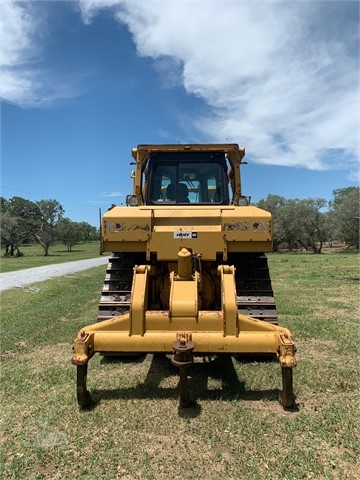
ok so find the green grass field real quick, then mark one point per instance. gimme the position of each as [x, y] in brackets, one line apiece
[34, 256]
[236, 429]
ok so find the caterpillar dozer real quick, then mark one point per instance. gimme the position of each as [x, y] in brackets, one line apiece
[188, 275]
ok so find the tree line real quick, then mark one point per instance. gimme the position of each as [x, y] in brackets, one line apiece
[43, 222]
[305, 224]
[308, 224]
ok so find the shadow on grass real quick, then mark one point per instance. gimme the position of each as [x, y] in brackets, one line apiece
[128, 358]
[199, 374]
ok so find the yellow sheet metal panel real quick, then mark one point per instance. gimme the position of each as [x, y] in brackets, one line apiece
[168, 244]
[187, 215]
[123, 246]
[126, 224]
[249, 246]
[196, 228]
[247, 224]
[205, 230]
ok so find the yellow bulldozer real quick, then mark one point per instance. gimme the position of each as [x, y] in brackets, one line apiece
[188, 275]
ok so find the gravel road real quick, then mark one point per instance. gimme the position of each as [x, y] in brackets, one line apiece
[23, 278]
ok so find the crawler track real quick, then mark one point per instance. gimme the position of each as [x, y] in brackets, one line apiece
[116, 293]
[254, 292]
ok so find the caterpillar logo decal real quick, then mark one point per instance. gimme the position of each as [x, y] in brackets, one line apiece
[185, 234]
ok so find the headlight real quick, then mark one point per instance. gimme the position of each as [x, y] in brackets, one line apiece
[244, 201]
[132, 200]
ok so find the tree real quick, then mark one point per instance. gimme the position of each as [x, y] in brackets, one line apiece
[290, 219]
[345, 214]
[18, 215]
[298, 223]
[313, 222]
[11, 235]
[88, 232]
[45, 232]
[32, 220]
[68, 232]
[274, 204]
[3, 204]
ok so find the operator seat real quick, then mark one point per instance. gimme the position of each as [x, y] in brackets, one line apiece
[170, 192]
[183, 193]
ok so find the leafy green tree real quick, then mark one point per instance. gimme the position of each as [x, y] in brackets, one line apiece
[344, 210]
[26, 211]
[45, 232]
[17, 215]
[290, 223]
[3, 204]
[274, 204]
[11, 235]
[297, 223]
[68, 232]
[89, 233]
[314, 228]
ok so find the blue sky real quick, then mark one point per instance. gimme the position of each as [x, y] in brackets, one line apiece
[84, 82]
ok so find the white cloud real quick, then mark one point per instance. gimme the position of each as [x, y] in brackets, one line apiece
[18, 26]
[23, 80]
[280, 77]
[114, 194]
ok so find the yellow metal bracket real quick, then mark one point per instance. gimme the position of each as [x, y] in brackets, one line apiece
[83, 348]
[228, 300]
[139, 294]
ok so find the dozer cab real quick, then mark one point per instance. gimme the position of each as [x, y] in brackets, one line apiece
[188, 275]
